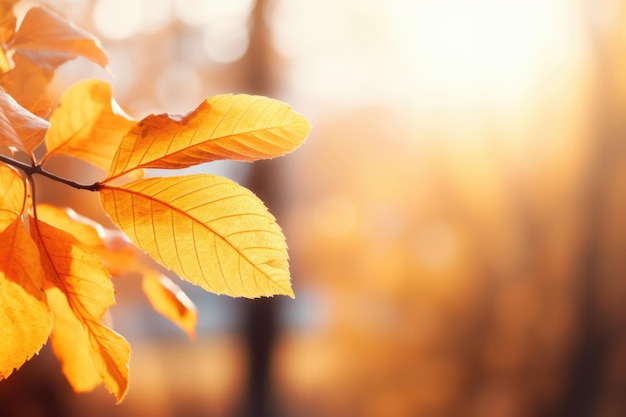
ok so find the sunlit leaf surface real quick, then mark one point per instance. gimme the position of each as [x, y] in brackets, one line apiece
[88, 124]
[12, 194]
[71, 345]
[25, 318]
[207, 229]
[237, 127]
[169, 299]
[48, 39]
[83, 279]
[19, 128]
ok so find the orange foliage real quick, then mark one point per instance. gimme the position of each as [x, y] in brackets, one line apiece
[209, 230]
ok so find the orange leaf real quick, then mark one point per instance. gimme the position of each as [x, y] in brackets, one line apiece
[7, 19]
[7, 29]
[12, 195]
[19, 128]
[88, 124]
[207, 229]
[49, 40]
[70, 343]
[27, 83]
[80, 275]
[86, 231]
[169, 299]
[25, 318]
[238, 127]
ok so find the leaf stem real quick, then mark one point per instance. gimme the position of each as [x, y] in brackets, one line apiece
[31, 170]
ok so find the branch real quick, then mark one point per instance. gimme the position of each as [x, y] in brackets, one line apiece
[37, 169]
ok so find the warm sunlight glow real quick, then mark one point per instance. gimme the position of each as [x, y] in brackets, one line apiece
[115, 25]
[433, 54]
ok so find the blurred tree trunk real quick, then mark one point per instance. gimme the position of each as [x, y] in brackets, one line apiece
[261, 328]
[602, 259]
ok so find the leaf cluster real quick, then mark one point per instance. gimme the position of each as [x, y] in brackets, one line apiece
[56, 266]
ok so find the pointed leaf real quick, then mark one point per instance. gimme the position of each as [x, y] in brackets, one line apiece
[169, 299]
[237, 127]
[12, 195]
[19, 128]
[25, 318]
[49, 40]
[70, 343]
[81, 277]
[207, 229]
[87, 125]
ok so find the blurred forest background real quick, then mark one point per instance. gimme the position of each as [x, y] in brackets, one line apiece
[456, 220]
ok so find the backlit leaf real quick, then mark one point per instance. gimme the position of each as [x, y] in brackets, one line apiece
[7, 29]
[66, 219]
[12, 195]
[237, 127]
[49, 40]
[70, 343]
[207, 229]
[19, 128]
[25, 318]
[169, 299]
[88, 124]
[27, 83]
[82, 278]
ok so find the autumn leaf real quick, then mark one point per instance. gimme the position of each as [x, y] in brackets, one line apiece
[85, 231]
[119, 256]
[81, 277]
[237, 127]
[19, 128]
[8, 22]
[71, 345]
[12, 195]
[25, 318]
[27, 83]
[88, 124]
[207, 229]
[49, 40]
[168, 299]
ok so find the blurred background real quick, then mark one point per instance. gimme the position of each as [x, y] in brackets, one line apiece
[456, 220]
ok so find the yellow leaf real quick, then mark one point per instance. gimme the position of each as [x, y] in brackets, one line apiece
[207, 229]
[49, 40]
[25, 318]
[168, 299]
[82, 278]
[88, 124]
[12, 195]
[70, 343]
[238, 127]
[19, 128]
